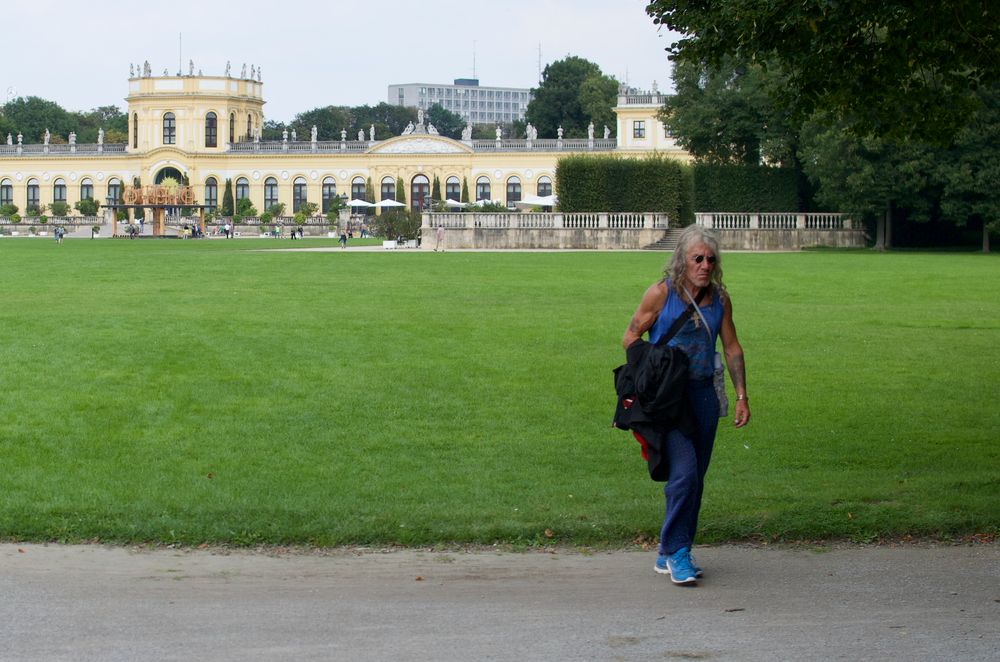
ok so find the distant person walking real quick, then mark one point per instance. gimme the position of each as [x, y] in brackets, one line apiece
[343, 239]
[439, 238]
[694, 273]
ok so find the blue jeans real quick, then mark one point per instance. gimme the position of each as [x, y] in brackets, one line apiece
[688, 465]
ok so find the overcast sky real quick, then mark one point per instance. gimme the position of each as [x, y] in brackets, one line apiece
[316, 54]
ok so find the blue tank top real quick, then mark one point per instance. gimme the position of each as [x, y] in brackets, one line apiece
[691, 339]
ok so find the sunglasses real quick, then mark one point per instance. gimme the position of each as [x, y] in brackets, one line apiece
[701, 258]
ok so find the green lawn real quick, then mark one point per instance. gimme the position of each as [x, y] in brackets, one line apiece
[206, 392]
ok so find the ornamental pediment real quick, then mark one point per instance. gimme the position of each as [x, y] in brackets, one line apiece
[420, 144]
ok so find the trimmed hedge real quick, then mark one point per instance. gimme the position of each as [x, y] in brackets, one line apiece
[745, 188]
[616, 184]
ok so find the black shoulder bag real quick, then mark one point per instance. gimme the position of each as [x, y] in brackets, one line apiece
[654, 377]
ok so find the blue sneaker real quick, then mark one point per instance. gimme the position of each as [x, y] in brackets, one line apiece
[664, 569]
[698, 572]
[678, 566]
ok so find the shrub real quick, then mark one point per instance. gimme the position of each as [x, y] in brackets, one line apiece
[244, 208]
[617, 184]
[8, 210]
[59, 208]
[265, 218]
[87, 207]
[746, 188]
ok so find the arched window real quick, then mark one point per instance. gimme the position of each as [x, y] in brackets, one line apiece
[211, 130]
[388, 189]
[242, 188]
[115, 190]
[270, 193]
[544, 186]
[232, 128]
[452, 189]
[329, 193]
[212, 192]
[357, 193]
[169, 129]
[6, 192]
[32, 197]
[135, 130]
[298, 194]
[86, 189]
[420, 193]
[59, 191]
[483, 189]
[513, 191]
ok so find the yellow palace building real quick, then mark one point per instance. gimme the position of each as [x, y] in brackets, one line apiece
[207, 129]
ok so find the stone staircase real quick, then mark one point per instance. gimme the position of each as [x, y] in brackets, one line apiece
[668, 242]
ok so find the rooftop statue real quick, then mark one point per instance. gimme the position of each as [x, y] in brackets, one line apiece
[312, 136]
[409, 129]
[131, 70]
[190, 67]
[72, 137]
[9, 140]
[47, 136]
[343, 135]
[607, 132]
[590, 131]
[467, 132]
[371, 133]
[243, 71]
[228, 69]
[499, 133]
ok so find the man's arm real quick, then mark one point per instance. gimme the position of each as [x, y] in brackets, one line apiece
[734, 360]
[646, 314]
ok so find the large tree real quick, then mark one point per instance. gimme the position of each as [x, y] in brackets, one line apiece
[445, 121]
[869, 177]
[969, 171]
[329, 121]
[886, 68]
[31, 116]
[573, 93]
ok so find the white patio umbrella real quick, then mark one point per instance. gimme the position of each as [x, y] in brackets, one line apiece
[455, 203]
[359, 203]
[389, 203]
[537, 201]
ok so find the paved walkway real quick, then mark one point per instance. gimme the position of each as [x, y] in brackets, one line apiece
[851, 603]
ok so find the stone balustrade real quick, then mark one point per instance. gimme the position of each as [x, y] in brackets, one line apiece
[542, 220]
[773, 221]
[91, 149]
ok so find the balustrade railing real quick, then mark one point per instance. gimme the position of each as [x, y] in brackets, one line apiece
[62, 150]
[773, 221]
[546, 221]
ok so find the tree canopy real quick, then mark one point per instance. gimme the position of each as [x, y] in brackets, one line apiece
[445, 121]
[573, 93]
[884, 68]
[31, 116]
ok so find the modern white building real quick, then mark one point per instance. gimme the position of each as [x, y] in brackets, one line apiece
[476, 104]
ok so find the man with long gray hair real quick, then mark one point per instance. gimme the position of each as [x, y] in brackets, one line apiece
[692, 286]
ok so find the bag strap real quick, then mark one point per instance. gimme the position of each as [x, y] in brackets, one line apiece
[703, 320]
[682, 320]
